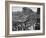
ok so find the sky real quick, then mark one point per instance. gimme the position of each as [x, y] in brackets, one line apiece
[14, 9]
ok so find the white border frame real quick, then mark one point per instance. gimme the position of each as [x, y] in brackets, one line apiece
[24, 32]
